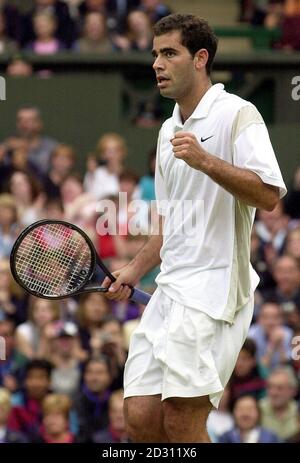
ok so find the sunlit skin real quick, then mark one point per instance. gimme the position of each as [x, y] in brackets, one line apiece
[180, 75]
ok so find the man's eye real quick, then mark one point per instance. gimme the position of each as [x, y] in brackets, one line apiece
[169, 54]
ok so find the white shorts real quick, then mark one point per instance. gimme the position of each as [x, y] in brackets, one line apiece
[177, 351]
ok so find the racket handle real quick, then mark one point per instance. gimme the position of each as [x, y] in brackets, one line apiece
[139, 296]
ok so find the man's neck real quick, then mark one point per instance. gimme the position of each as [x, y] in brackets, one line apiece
[189, 102]
[281, 411]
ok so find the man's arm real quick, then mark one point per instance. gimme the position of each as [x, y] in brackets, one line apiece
[146, 259]
[244, 184]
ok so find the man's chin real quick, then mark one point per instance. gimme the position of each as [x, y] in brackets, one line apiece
[166, 93]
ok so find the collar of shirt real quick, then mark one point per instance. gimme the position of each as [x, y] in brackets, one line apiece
[202, 109]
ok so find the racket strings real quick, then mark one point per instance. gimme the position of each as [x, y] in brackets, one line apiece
[53, 260]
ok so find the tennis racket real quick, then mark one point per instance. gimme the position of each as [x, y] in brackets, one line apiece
[53, 259]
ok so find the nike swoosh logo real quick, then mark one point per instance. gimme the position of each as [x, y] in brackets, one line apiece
[204, 139]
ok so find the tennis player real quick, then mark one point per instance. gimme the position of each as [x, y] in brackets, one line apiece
[214, 154]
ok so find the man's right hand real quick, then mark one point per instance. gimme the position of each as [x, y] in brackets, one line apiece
[120, 289]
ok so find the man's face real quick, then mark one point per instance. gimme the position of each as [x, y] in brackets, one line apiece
[97, 377]
[287, 274]
[244, 364]
[173, 65]
[37, 383]
[246, 414]
[279, 390]
[28, 122]
[270, 317]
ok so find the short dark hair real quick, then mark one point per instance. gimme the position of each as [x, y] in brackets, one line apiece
[39, 364]
[249, 346]
[195, 34]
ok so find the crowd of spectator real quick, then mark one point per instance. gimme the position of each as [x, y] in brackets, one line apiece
[108, 26]
[281, 14]
[88, 26]
[61, 380]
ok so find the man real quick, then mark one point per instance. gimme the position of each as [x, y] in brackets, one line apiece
[279, 410]
[214, 157]
[29, 127]
[272, 338]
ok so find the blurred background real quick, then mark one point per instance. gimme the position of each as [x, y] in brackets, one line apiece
[79, 125]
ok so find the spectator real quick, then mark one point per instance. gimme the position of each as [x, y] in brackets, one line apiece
[28, 196]
[62, 162]
[93, 308]
[279, 410]
[292, 200]
[247, 427]
[95, 38]
[97, 6]
[19, 67]
[26, 415]
[138, 35]
[271, 228]
[115, 433]
[7, 436]
[12, 20]
[65, 31]
[131, 219]
[286, 274]
[118, 11]
[248, 376]
[56, 417]
[54, 209]
[6, 44]
[29, 128]
[155, 9]
[9, 227]
[12, 368]
[79, 206]
[13, 299]
[272, 338]
[146, 184]
[65, 356]
[291, 25]
[45, 43]
[293, 243]
[31, 338]
[112, 346]
[103, 180]
[92, 402]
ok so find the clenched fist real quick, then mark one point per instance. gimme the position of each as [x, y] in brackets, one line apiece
[187, 147]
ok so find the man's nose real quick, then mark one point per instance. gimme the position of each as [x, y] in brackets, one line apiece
[158, 63]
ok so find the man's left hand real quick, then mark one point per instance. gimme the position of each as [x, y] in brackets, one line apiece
[187, 148]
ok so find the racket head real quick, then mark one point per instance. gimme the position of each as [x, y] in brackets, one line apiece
[53, 259]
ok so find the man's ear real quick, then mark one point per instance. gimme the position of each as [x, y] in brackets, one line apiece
[201, 58]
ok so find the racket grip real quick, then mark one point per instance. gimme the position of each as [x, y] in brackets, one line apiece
[139, 296]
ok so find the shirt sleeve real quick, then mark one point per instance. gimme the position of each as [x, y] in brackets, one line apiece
[252, 150]
[160, 187]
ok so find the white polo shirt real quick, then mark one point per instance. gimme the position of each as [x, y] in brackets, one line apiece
[206, 246]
